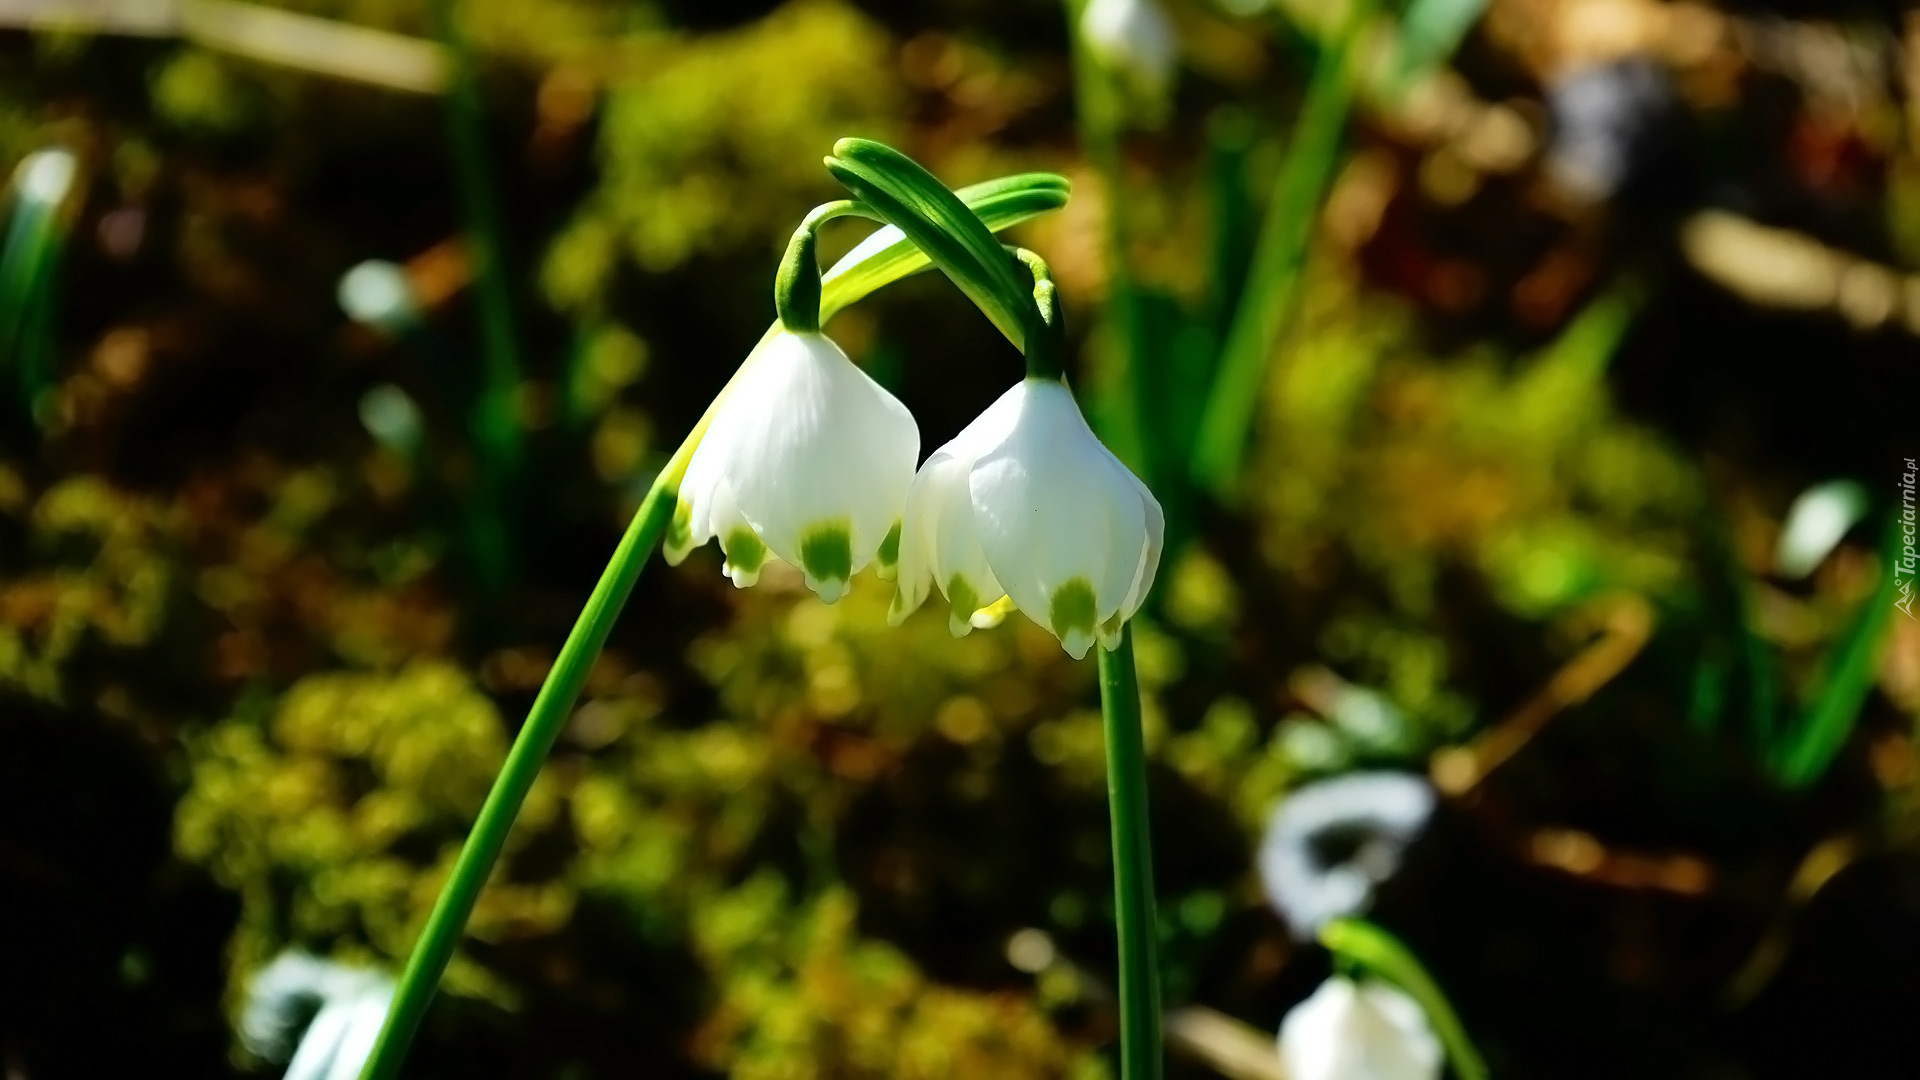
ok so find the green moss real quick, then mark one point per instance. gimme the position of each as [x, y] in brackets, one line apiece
[715, 142]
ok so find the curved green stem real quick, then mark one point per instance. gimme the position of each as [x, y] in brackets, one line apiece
[1358, 942]
[1046, 340]
[950, 232]
[1140, 1054]
[796, 288]
[883, 259]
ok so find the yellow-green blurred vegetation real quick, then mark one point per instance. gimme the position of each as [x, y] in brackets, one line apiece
[1513, 448]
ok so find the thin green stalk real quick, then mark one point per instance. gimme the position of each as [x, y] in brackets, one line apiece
[496, 430]
[1128, 401]
[550, 710]
[1272, 293]
[1140, 1054]
[1046, 344]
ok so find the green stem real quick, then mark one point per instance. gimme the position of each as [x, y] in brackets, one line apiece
[1358, 942]
[550, 711]
[796, 287]
[1140, 1055]
[1127, 404]
[1271, 297]
[496, 429]
[1046, 341]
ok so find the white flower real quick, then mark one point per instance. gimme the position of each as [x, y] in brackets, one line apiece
[1025, 503]
[807, 460]
[1358, 1031]
[45, 176]
[347, 1005]
[1331, 844]
[1132, 36]
[1815, 525]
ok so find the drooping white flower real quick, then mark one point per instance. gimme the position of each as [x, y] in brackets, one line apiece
[807, 460]
[1368, 1030]
[347, 1006]
[1026, 503]
[1132, 36]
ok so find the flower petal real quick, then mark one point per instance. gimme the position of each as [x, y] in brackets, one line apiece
[939, 538]
[1060, 519]
[821, 463]
[1367, 1029]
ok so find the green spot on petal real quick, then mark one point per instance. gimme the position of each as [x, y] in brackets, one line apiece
[679, 538]
[826, 555]
[1071, 611]
[889, 554]
[745, 555]
[965, 600]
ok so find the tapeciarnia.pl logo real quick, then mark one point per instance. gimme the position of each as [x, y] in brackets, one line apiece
[1903, 567]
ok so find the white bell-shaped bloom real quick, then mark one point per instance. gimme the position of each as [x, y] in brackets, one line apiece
[1368, 1030]
[347, 1006]
[807, 460]
[1132, 36]
[1025, 503]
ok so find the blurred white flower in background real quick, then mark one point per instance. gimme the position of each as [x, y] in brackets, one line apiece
[45, 176]
[377, 293]
[1134, 38]
[1815, 524]
[340, 1007]
[1366, 1030]
[1330, 844]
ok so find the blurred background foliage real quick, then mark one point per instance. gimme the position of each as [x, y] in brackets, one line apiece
[1575, 311]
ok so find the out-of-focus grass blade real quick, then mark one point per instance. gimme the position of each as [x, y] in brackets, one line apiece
[1808, 747]
[941, 224]
[1231, 134]
[1729, 619]
[498, 441]
[887, 255]
[29, 259]
[37, 329]
[1429, 32]
[1273, 287]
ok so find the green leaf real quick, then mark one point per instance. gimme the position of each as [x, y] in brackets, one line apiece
[27, 265]
[1361, 943]
[936, 220]
[1822, 727]
[1272, 293]
[1430, 31]
[887, 255]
